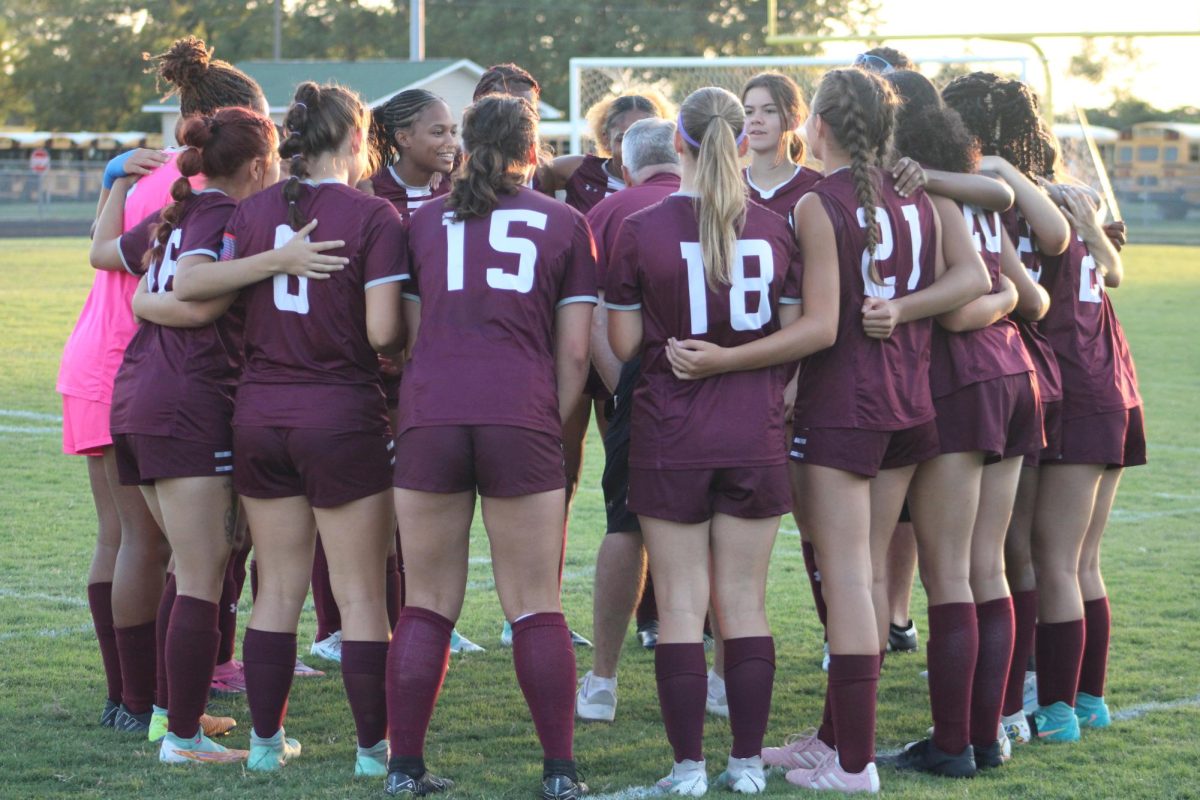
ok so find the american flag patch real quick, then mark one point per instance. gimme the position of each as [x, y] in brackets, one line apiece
[228, 247]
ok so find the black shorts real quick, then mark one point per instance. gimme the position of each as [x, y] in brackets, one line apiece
[615, 480]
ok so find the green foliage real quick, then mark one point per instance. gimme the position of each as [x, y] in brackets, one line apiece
[1127, 111]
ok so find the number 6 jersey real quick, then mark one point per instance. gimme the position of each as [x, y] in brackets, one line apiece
[729, 420]
[489, 288]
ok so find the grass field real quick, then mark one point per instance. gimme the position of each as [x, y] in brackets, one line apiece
[51, 686]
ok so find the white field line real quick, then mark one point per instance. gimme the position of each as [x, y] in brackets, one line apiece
[1142, 709]
[34, 415]
[63, 600]
[29, 431]
[46, 633]
[631, 793]
[1121, 515]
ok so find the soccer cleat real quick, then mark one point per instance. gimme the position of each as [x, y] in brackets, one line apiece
[506, 634]
[216, 726]
[562, 787]
[128, 722]
[902, 639]
[1005, 744]
[1029, 696]
[229, 678]
[989, 757]
[799, 751]
[1016, 726]
[198, 750]
[401, 784]
[158, 724]
[329, 648]
[303, 670]
[578, 640]
[648, 634]
[924, 756]
[268, 755]
[461, 644]
[109, 715]
[1091, 711]
[372, 762]
[825, 658]
[829, 776]
[716, 702]
[687, 778]
[596, 699]
[1056, 723]
[744, 776]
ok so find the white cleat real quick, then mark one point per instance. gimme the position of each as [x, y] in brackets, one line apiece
[329, 648]
[596, 699]
[744, 776]
[716, 703]
[687, 778]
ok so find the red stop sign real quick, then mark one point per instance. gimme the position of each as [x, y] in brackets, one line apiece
[39, 160]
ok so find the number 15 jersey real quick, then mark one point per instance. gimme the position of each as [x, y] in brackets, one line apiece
[489, 289]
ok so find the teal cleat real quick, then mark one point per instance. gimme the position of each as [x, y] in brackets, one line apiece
[268, 755]
[1091, 711]
[1056, 723]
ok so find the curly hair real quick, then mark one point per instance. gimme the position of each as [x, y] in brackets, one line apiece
[927, 130]
[789, 100]
[203, 84]
[1003, 114]
[500, 137]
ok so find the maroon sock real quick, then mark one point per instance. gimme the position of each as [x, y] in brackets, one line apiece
[227, 608]
[191, 653]
[647, 609]
[1025, 618]
[162, 623]
[951, 650]
[136, 648]
[749, 679]
[995, 625]
[1059, 657]
[814, 580]
[826, 733]
[544, 659]
[100, 603]
[329, 617]
[270, 661]
[253, 580]
[416, 666]
[391, 577]
[682, 675]
[364, 672]
[1098, 624]
[853, 681]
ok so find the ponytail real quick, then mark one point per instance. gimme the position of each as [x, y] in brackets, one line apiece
[711, 122]
[499, 134]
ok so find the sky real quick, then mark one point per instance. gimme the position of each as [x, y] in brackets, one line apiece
[1162, 74]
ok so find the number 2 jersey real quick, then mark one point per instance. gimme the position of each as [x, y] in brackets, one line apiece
[179, 382]
[729, 420]
[308, 361]
[860, 382]
[489, 289]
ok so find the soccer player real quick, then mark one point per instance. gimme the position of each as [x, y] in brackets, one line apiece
[311, 439]
[173, 399]
[775, 111]
[707, 459]
[499, 309]
[651, 167]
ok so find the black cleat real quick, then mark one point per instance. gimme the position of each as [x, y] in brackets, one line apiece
[648, 634]
[579, 640]
[562, 787]
[924, 756]
[128, 722]
[108, 717]
[902, 640]
[988, 757]
[401, 784]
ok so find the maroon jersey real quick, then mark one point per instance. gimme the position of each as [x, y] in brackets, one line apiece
[1097, 370]
[309, 363]
[407, 199]
[605, 217]
[590, 183]
[179, 382]
[783, 198]
[1045, 363]
[489, 288]
[134, 243]
[729, 420]
[860, 382]
[960, 359]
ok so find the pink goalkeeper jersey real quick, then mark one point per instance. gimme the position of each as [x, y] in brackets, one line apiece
[96, 346]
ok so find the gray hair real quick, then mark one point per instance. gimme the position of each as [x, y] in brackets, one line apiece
[647, 143]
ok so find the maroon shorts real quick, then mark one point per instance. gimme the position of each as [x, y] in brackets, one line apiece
[495, 460]
[594, 387]
[691, 496]
[864, 452]
[391, 389]
[1052, 426]
[1001, 417]
[142, 459]
[1115, 439]
[329, 468]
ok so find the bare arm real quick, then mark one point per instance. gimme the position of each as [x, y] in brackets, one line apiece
[975, 190]
[412, 323]
[982, 311]
[164, 308]
[1084, 216]
[385, 318]
[105, 252]
[1048, 225]
[625, 332]
[1032, 299]
[607, 365]
[572, 334]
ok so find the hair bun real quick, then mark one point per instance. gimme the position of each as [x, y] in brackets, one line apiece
[185, 62]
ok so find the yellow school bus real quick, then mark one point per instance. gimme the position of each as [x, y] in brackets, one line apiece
[1160, 162]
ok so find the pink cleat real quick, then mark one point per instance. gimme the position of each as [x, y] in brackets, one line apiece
[305, 671]
[229, 678]
[800, 751]
[829, 776]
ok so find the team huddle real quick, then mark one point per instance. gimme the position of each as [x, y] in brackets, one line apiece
[915, 339]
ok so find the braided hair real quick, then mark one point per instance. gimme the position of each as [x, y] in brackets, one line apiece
[500, 137]
[601, 116]
[927, 130]
[397, 114]
[1003, 114]
[319, 120]
[859, 107]
[217, 147]
[203, 84]
[789, 101]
